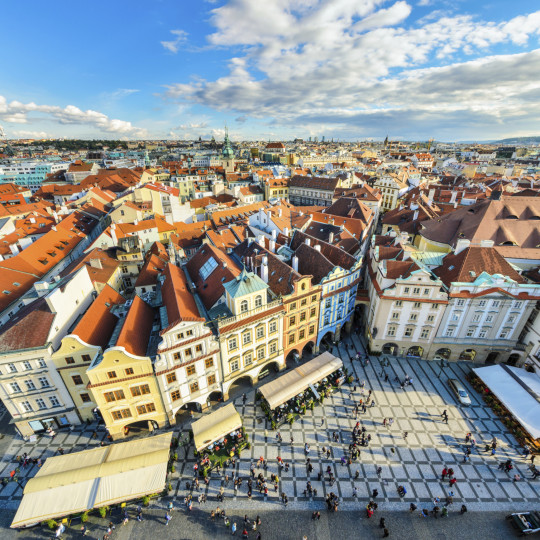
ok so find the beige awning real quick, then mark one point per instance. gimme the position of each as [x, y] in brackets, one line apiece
[289, 385]
[77, 482]
[212, 427]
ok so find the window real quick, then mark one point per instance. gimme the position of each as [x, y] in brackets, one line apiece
[399, 303]
[41, 403]
[175, 396]
[140, 390]
[123, 413]
[114, 395]
[470, 331]
[248, 359]
[177, 356]
[41, 363]
[314, 298]
[326, 319]
[85, 398]
[86, 358]
[145, 409]
[302, 316]
[311, 330]
[328, 303]
[244, 306]
[511, 319]
[312, 312]
[180, 336]
[434, 306]
[171, 377]
[476, 317]
[208, 267]
[44, 382]
[503, 334]
[273, 347]
[416, 290]
[292, 320]
[496, 303]
[273, 327]
[233, 344]
[190, 370]
[482, 303]
[211, 380]
[291, 339]
[26, 407]
[15, 387]
[188, 352]
[13, 369]
[208, 363]
[426, 292]
[483, 333]
[293, 306]
[234, 365]
[258, 301]
[455, 315]
[189, 333]
[417, 305]
[194, 387]
[395, 316]
[430, 318]
[77, 379]
[408, 332]
[413, 317]
[406, 290]
[54, 401]
[304, 301]
[301, 334]
[425, 333]
[70, 360]
[111, 374]
[198, 349]
[341, 298]
[517, 305]
[124, 269]
[489, 318]
[260, 332]
[391, 330]
[30, 384]
[449, 332]
[246, 337]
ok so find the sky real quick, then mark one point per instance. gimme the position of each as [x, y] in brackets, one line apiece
[275, 70]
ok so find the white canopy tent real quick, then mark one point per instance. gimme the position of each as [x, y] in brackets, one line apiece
[214, 426]
[289, 385]
[518, 390]
[106, 475]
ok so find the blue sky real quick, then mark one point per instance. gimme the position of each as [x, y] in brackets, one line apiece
[348, 69]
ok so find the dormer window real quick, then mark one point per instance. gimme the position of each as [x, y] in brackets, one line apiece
[244, 306]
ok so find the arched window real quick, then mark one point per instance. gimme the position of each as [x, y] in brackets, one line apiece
[258, 301]
[243, 306]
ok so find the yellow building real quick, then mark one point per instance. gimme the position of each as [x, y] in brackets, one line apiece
[79, 348]
[122, 379]
[276, 188]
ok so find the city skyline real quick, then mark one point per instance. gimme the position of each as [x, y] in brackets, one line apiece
[344, 69]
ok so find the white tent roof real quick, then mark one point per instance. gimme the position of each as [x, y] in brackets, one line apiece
[289, 385]
[518, 390]
[212, 427]
[99, 477]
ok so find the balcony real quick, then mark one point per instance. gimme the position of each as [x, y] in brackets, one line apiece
[247, 314]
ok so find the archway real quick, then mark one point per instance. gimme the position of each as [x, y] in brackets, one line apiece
[268, 369]
[240, 386]
[416, 350]
[513, 359]
[139, 428]
[467, 354]
[214, 398]
[492, 358]
[293, 357]
[390, 349]
[328, 340]
[308, 349]
[442, 354]
[186, 412]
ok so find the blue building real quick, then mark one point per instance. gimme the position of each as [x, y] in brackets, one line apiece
[338, 273]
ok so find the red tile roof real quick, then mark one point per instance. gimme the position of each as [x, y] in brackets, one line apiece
[137, 328]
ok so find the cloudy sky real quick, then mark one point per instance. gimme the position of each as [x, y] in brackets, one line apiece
[348, 69]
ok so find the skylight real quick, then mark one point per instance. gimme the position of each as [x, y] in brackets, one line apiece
[207, 268]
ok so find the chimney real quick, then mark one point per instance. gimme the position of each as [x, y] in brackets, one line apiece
[415, 215]
[431, 194]
[308, 241]
[260, 240]
[331, 238]
[135, 222]
[487, 243]
[453, 197]
[14, 249]
[272, 245]
[461, 244]
[41, 287]
[96, 263]
[279, 212]
[274, 235]
[295, 263]
[318, 247]
[286, 231]
[264, 269]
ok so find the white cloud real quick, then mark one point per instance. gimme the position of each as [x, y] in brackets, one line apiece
[174, 45]
[301, 59]
[22, 134]
[27, 113]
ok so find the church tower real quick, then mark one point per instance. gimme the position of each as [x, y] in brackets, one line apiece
[227, 154]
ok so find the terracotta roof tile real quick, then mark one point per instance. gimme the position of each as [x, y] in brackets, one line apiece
[135, 333]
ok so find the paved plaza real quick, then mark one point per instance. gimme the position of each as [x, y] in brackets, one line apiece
[415, 462]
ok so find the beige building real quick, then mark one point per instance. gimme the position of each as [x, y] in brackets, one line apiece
[391, 188]
[83, 344]
[122, 379]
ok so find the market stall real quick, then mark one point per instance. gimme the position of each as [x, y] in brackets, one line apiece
[293, 392]
[213, 429]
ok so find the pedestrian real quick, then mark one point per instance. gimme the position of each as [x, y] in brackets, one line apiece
[382, 523]
[233, 529]
[386, 533]
[444, 473]
[244, 399]
[384, 422]
[374, 494]
[463, 509]
[84, 530]
[167, 518]
[405, 435]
